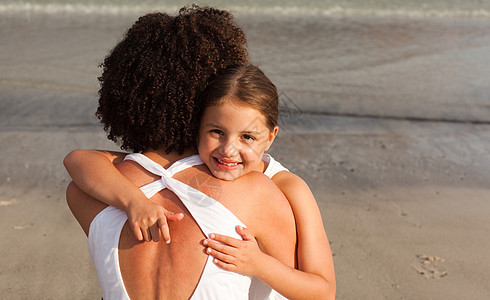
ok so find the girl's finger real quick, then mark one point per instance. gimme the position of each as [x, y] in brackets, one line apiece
[225, 249]
[246, 235]
[155, 232]
[221, 256]
[146, 234]
[162, 223]
[225, 266]
[171, 216]
[225, 239]
[137, 232]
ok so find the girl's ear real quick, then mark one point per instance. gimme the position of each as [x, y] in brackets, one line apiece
[272, 136]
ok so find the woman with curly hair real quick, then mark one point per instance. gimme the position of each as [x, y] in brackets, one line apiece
[149, 86]
[152, 77]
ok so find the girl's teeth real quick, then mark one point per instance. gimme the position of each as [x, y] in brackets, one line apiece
[227, 164]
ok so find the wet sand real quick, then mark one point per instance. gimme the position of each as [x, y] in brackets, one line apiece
[405, 203]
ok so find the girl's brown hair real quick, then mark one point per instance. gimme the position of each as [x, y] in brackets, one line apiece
[247, 85]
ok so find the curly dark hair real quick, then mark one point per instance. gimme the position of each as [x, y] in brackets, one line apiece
[151, 79]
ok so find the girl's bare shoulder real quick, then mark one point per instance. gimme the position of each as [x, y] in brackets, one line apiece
[286, 179]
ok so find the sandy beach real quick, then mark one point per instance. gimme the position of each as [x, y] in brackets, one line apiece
[403, 185]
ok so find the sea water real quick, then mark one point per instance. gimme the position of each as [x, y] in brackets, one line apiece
[413, 59]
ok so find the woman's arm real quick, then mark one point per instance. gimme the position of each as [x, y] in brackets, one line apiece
[314, 277]
[94, 172]
[82, 206]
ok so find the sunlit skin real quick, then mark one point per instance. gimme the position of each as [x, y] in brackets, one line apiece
[233, 138]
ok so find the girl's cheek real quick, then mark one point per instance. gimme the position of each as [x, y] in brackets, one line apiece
[257, 148]
[206, 144]
[249, 151]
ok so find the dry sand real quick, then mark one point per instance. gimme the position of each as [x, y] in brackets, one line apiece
[406, 204]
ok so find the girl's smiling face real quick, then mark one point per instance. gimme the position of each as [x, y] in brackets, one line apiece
[232, 139]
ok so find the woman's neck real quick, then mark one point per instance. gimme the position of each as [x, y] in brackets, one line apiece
[165, 159]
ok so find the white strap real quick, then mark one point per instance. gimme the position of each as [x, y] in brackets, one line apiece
[274, 166]
[210, 214]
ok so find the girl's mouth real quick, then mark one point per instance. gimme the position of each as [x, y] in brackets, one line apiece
[226, 165]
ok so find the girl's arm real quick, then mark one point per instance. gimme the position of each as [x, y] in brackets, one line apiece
[314, 277]
[94, 172]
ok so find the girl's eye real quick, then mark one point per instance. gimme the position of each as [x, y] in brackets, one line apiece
[248, 137]
[216, 131]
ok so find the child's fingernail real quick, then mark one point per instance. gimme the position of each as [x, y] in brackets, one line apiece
[205, 242]
[212, 235]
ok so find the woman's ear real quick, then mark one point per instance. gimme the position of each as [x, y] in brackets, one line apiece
[272, 136]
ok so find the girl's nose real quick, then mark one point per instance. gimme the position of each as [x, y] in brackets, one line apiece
[228, 148]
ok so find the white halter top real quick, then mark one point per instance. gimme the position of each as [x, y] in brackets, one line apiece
[210, 215]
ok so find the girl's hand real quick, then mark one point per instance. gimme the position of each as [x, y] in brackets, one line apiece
[240, 256]
[149, 220]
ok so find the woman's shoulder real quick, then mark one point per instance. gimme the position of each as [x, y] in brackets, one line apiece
[264, 192]
[259, 181]
[135, 172]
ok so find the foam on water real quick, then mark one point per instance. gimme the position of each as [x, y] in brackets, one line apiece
[380, 8]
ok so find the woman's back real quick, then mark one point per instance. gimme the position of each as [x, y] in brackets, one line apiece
[156, 270]
[172, 271]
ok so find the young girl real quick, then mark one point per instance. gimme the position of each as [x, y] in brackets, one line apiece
[238, 124]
